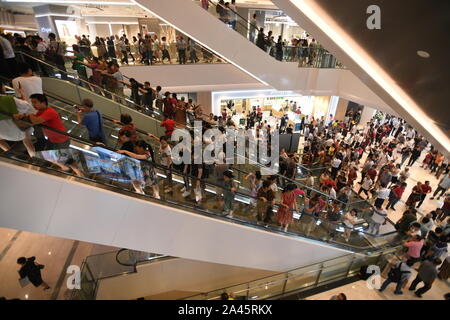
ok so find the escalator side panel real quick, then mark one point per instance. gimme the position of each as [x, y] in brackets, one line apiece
[65, 208]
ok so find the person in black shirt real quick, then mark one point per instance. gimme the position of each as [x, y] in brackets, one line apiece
[148, 96]
[414, 155]
[125, 141]
[260, 40]
[32, 270]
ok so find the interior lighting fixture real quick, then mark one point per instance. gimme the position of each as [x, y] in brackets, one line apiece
[423, 54]
[325, 23]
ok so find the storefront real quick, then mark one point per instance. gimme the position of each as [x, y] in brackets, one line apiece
[274, 104]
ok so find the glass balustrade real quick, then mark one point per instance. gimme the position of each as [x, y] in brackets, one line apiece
[306, 55]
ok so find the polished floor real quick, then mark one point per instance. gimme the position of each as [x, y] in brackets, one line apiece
[360, 291]
[55, 253]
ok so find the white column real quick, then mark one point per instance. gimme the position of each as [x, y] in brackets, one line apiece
[366, 115]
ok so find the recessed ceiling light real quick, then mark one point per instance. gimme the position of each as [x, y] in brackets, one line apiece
[423, 54]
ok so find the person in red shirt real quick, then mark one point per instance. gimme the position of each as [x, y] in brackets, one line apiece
[372, 173]
[330, 182]
[169, 107]
[396, 195]
[49, 117]
[169, 124]
[424, 190]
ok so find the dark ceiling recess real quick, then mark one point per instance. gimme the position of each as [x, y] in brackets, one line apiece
[407, 26]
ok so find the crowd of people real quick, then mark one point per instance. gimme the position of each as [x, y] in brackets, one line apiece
[337, 146]
[303, 49]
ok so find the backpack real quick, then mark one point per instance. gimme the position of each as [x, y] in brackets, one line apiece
[395, 274]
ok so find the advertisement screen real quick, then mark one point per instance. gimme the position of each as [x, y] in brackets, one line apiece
[67, 30]
[114, 166]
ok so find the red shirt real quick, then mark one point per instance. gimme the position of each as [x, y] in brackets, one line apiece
[398, 191]
[132, 129]
[330, 182]
[372, 173]
[169, 124]
[424, 188]
[52, 120]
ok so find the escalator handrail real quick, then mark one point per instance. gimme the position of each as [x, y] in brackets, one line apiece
[87, 142]
[152, 259]
[246, 195]
[255, 164]
[74, 74]
[224, 289]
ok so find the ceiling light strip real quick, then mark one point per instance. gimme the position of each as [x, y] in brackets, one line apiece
[212, 50]
[379, 76]
[57, 15]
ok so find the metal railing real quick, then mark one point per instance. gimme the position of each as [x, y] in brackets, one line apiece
[301, 279]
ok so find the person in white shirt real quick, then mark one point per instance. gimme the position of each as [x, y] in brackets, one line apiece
[335, 163]
[41, 46]
[8, 129]
[8, 51]
[28, 82]
[382, 194]
[166, 161]
[378, 218]
[365, 187]
[404, 175]
[332, 192]
[329, 142]
[350, 220]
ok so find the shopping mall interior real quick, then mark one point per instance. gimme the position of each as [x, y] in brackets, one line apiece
[104, 105]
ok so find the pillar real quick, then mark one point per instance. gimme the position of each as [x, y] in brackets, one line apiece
[367, 114]
[341, 110]
[205, 99]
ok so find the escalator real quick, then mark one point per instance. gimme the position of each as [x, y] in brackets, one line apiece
[65, 93]
[150, 276]
[112, 213]
[218, 37]
[317, 72]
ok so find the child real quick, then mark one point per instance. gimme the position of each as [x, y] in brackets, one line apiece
[228, 192]
[166, 161]
[349, 221]
[150, 177]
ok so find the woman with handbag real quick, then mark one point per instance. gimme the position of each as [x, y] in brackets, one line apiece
[32, 270]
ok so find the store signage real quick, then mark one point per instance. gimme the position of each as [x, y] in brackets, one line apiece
[46, 30]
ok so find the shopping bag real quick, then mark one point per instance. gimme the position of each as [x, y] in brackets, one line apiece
[198, 194]
[24, 282]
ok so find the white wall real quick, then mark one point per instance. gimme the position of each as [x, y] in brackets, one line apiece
[41, 203]
[193, 78]
[172, 275]
[226, 77]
